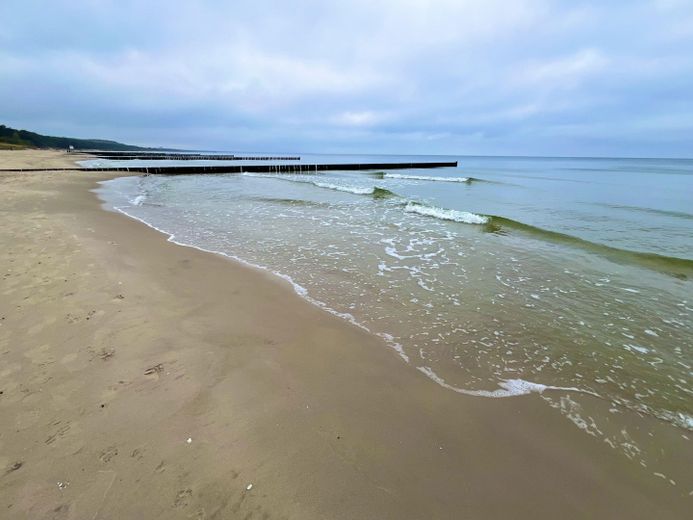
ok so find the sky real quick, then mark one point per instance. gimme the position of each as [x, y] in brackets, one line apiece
[462, 77]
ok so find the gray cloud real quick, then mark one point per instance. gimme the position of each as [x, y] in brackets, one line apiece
[447, 76]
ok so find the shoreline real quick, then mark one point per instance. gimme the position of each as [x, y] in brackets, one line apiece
[506, 388]
[272, 391]
[298, 289]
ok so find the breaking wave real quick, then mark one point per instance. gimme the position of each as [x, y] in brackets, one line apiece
[356, 190]
[681, 268]
[445, 214]
[466, 180]
[376, 191]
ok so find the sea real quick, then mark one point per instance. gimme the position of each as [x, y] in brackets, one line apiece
[568, 278]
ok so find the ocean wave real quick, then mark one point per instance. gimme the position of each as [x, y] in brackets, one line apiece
[650, 211]
[285, 176]
[376, 191]
[445, 214]
[291, 202]
[427, 178]
[356, 190]
[681, 268]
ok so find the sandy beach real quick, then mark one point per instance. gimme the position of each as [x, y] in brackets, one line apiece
[141, 379]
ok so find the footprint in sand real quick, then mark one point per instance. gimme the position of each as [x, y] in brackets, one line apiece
[108, 454]
[94, 314]
[107, 353]
[183, 498]
[137, 453]
[58, 434]
[104, 354]
[155, 371]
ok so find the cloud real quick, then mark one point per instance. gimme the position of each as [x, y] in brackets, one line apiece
[362, 118]
[564, 72]
[436, 76]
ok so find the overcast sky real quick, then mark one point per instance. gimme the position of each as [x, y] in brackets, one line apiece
[498, 77]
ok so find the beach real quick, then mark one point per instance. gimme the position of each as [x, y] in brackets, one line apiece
[143, 379]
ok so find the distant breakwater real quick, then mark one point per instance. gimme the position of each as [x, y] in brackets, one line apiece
[172, 156]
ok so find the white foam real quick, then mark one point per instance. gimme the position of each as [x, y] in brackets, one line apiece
[390, 340]
[137, 201]
[348, 189]
[685, 420]
[356, 190]
[425, 178]
[391, 251]
[508, 387]
[632, 346]
[261, 175]
[445, 214]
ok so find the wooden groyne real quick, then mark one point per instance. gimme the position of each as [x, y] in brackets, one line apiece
[250, 168]
[166, 156]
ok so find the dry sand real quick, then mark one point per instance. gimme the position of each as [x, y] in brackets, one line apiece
[116, 347]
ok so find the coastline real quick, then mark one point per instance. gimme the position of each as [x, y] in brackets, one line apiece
[320, 417]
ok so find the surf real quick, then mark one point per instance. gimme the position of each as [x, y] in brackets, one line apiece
[464, 217]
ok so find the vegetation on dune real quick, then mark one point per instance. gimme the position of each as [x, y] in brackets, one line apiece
[8, 146]
[11, 138]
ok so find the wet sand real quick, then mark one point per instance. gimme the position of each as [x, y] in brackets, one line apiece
[116, 347]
